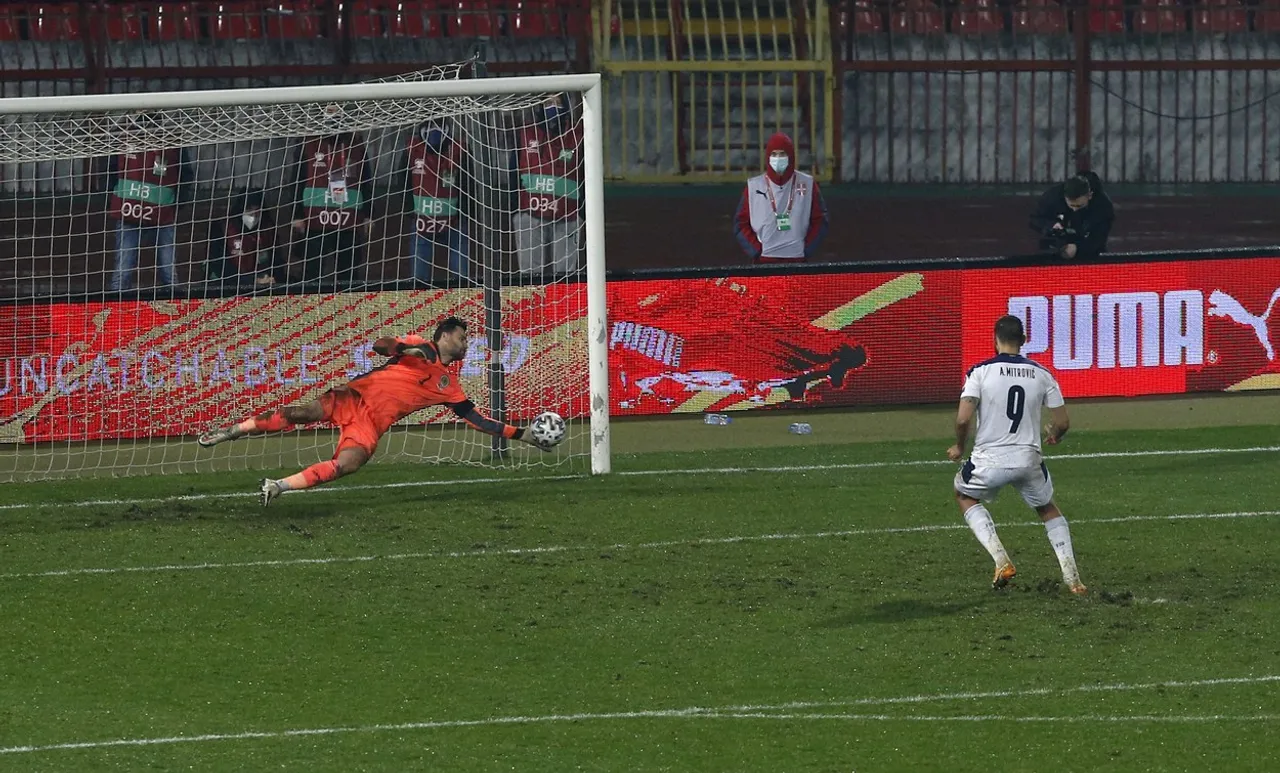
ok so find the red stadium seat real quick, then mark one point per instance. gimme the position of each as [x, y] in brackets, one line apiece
[293, 20]
[917, 17]
[172, 21]
[1267, 17]
[53, 21]
[1159, 17]
[470, 18]
[577, 16]
[1106, 16]
[10, 29]
[977, 17]
[1222, 16]
[1039, 17]
[412, 19]
[536, 18]
[121, 22]
[236, 21]
[862, 16]
[367, 17]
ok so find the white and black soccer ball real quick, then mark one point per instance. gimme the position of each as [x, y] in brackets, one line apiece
[548, 429]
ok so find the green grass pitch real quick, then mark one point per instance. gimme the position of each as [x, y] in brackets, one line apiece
[701, 610]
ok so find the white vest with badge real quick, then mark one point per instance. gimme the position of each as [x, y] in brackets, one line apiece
[780, 214]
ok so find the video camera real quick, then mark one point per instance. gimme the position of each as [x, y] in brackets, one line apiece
[1060, 234]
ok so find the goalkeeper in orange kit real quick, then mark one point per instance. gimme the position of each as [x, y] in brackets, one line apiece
[417, 376]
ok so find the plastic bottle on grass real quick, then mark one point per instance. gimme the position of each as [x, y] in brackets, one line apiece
[717, 419]
[800, 428]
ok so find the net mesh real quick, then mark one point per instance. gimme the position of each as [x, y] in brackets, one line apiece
[164, 272]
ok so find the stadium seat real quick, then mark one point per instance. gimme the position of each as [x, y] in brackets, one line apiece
[1106, 16]
[862, 16]
[1222, 16]
[1159, 17]
[536, 18]
[10, 26]
[917, 17]
[236, 21]
[172, 21]
[10, 29]
[367, 17]
[1267, 18]
[412, 19]
[53, 21]
[469, 18]
[577, 15]
[1039, 17]
[293, 20]
[121, 22]
[977, 17]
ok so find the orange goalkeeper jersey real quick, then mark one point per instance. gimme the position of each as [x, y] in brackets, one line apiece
[406, 384]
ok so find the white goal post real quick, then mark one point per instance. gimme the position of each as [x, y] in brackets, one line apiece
[102, 375]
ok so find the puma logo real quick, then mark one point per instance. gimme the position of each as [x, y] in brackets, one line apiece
[1223, 305]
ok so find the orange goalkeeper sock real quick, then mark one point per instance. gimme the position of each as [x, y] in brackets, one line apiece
[265, 422]
[323, 472]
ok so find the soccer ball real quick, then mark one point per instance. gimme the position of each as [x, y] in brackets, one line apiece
[548, 429]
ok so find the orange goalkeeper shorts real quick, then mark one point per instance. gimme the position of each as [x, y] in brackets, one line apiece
[356, 426]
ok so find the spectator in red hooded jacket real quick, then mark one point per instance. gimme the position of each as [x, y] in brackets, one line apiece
[781, 217]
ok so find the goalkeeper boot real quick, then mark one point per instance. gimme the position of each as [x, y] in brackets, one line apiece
[271, 491]
[1004, 573]
[210, 439]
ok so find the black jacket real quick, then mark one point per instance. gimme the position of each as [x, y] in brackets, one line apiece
[1087, 228]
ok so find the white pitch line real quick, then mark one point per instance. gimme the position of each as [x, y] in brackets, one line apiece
[624, 474]
[695, 542]
[248, 495]
[783, 711]
[1022, 693]
[1004, 718]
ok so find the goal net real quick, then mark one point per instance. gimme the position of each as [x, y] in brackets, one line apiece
[173, 262]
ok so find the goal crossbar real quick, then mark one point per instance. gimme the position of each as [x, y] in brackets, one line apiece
[287, 95]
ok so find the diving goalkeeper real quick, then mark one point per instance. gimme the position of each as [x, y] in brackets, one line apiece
[417, 376]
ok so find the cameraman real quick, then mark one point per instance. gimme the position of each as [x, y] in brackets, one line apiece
[1074, 218]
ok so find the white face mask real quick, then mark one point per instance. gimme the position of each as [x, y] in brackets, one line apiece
[779, 164]
[249, 220]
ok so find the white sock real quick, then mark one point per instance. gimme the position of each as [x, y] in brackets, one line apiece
[1060, 538]
[984, 529]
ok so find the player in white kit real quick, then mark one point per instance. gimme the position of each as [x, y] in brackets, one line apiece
[1005, 394]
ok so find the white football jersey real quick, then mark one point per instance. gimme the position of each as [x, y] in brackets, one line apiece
[1010, 390]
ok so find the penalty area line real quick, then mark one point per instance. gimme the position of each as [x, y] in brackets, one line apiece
[785, 711]
[339, 489]
[550, 549]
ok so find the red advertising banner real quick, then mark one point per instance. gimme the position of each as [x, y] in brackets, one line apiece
[90, 371]
[741, 343]
[1139, 328]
